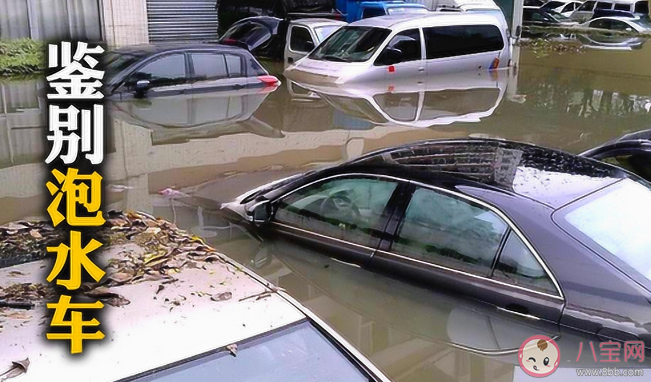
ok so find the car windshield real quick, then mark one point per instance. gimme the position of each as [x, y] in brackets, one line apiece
[351, 44]
[404, 10]
[642, 22]
[557, 16]
[295, 354]
[115, 62]
[323, 32]
[618, 220]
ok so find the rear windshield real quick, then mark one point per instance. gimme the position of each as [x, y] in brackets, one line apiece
[351, 44]
[616, 219]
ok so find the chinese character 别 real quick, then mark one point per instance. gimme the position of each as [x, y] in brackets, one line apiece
[80, 190]
[77, 258]
[76, 323]
[64, 124]
[77, 79]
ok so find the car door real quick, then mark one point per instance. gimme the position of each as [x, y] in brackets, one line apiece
[447, 240]
[300, 43]
[164, 75]
[462, 47]
[584, 12]
[402, 57]
[216, 71]
[344, 215]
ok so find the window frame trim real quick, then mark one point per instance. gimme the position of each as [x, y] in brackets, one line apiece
[382, 230]
[511, 228]
[511, 225]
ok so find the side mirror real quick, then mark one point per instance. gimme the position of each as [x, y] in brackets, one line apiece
[260, 213]
[142, 86]
[390, 56]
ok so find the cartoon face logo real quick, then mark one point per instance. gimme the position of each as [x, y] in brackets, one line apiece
[539, 356]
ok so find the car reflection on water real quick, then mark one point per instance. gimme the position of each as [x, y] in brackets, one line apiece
[183, 117]
[439, 100]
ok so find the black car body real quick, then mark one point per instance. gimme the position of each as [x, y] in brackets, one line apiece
[544, 17]
[263, 36]
[172, 69]
[632, 152]
[506, 223]
[231, 11]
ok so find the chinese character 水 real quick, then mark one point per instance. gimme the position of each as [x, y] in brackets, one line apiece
[77, 258]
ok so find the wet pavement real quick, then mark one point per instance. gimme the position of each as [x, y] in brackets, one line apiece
[212, 147]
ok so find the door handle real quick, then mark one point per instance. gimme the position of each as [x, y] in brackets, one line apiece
[524, 312]
[421, 69]
[238, 86]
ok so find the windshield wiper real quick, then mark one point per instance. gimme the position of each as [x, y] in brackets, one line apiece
[333, 58]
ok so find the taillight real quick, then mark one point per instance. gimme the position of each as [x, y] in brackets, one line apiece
[269, 80]
[495, 64]
[228, 41]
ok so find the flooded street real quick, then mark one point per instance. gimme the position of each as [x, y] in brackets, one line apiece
[181, 157]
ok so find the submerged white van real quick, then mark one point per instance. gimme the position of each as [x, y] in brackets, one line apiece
[394, 47]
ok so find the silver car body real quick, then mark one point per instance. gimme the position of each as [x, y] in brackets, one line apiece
[318, 29]
[313, 71]
[441, 100]
[585, 13]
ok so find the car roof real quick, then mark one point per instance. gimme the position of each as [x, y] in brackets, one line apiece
[551, 177]
[153, 330]
[427, 19]
[151, 49]
[316, 22]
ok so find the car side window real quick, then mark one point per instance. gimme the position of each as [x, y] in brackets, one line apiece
[166, 71]
[449, 231]
[234, 65]
[301, 40]
[622, 7]
[600, 24]
[604, 5]
[403, 47]
[518, 266]
[587, 6]
[450, 41]
[620, 26]
[209, 66]
[642, 7]
[349, 209]
[568, 8]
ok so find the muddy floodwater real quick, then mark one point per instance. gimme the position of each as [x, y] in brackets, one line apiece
[212, 147]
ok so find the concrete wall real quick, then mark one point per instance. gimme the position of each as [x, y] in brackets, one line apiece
[125, 22]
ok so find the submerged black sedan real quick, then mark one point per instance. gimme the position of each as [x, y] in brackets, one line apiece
[539, 233]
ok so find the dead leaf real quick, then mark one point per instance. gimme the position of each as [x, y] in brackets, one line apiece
[35, 234]
[221, 296]
[120, 277]
[17, 368]
[160, 288]
[16, 273]
[233, 349]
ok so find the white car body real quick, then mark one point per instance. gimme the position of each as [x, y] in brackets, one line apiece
[313, 71]
[586, 11]
[318, 29]
[152, 335]
[565, 7]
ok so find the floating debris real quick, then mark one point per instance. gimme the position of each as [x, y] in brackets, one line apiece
[221, 296]
[17, 368]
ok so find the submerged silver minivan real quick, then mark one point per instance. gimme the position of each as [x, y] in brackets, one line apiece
[394, 47]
